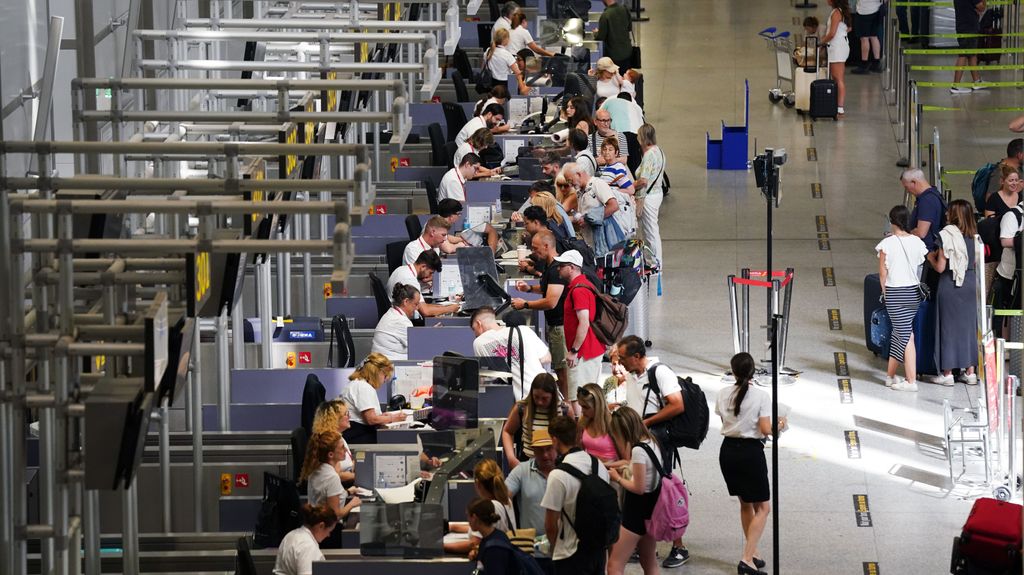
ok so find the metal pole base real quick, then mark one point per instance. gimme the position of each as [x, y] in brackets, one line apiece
[805, 5]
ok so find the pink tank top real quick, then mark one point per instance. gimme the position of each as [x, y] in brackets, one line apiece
[602, 448]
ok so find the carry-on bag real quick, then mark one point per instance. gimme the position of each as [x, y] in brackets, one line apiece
[877, 326]
[805, 73]
[991, 539]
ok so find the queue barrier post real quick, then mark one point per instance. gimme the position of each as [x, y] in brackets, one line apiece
[780, 282]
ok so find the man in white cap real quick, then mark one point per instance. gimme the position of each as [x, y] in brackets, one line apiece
[584, 351]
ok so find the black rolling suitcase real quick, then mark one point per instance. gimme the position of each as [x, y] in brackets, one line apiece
[824, 99]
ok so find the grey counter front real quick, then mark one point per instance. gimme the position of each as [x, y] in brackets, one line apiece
[350, 562]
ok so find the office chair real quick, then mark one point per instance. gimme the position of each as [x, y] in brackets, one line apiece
[394, 252]
[455, 117]
[432, 192]
[461, 92]
[413, 226]
[449, 152]
[244, 565]
[437, 142]
[299, 439]
[380, 294]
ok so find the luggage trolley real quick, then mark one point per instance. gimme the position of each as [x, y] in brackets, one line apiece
[782, 45]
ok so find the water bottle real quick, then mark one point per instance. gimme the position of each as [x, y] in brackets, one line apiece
[465, 223]
[497, 209]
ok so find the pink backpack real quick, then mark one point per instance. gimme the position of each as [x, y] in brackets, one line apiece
[671, 514]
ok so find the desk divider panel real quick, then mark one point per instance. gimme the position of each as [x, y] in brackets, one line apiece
[362, 309]
[426, 343]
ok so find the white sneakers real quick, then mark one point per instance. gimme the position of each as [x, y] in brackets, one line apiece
[904, 386]
[889, 381]
[944, 380]
[960, 90]
[977, 86]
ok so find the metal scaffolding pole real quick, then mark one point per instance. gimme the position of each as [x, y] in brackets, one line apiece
[223, 371]
[196, 396]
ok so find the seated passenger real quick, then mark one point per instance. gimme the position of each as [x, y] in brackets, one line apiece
[479, 141]
[451, 210]
[528, 481]
[453, 183]
[435, 232]
[301, 546]
[334, 416]
[421, 274]
[363, 403]
[324, 454]
[390, 337]
[496, 340]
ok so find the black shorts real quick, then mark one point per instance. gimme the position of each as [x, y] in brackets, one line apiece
[967, 43]
[637, 509]
[582, 562]
[745, 469]
[867, 25]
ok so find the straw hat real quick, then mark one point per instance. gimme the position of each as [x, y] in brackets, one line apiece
[541, 438]
[606, 64]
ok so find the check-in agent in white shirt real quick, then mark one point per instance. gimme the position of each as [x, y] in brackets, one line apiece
[453, 183]
[435, 232]
[420, 275]
[391, 336]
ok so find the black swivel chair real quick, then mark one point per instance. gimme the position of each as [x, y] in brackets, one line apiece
[455, 117]
[449, 152]
[380, 294]
[432, 193]
[299, 439]
[437, 142]
[244, 565]
[461, 92]
[484, 30]
[413, 226]
[394, 253]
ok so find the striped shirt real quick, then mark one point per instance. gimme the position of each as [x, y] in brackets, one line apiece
[617, 175]
[538, 420]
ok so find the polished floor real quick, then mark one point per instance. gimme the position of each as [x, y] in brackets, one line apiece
[697, 54]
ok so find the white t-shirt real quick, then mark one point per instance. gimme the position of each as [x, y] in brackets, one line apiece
[347, 464]
[405, 275]
[501, 22]
[297, 552]
[500, 63]
[465, 148]
[904, 256]
[360, 396]
[561, 495]
[755, 405]
[668, 383]
[323, 483]
[494, 343]
[518, 39]
[607, 88]
[413, 250]
[391, 337]
[651, 477]
[452, 186]
[474, 124]
[596, 193]
[1007, 229]
[868, 6]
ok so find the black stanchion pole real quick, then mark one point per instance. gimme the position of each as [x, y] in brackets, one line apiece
[775, 444]
[805, 4]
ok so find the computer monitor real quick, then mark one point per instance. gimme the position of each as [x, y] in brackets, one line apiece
[456, 393]
[385, 466]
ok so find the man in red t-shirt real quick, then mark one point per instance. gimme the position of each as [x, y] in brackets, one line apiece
[584, 350]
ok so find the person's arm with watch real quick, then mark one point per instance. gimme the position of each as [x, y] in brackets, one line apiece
[549, 301]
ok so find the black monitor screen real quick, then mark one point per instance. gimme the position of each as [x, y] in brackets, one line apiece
[456, 387]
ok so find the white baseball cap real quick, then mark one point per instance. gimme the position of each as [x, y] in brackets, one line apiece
[570, 257]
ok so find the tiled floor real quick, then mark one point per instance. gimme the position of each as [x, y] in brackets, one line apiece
[697, 54]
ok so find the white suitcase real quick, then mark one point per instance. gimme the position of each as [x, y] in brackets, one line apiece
[802, 77]
[639, 317]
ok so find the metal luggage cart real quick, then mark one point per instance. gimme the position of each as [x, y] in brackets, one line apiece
[781, 45]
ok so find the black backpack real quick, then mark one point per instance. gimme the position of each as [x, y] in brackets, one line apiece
[589, 259]
[689, 428]
[526, 564]
[597, 510]
[279, 512]
[988, 230]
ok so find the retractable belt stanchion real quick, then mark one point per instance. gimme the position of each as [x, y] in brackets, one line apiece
[779, 299]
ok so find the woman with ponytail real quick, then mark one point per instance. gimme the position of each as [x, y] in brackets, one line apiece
[746, 413]
[490, 486]
[324, 454]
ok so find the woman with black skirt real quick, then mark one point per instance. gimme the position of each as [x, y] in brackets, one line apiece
[746, 414]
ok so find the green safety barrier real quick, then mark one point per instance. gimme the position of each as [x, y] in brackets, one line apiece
[959, 172]
[969, 84]
[1008, 312]
[960, 51]
[946, 4]
[957, 109]
[962, 35]
[993, 67]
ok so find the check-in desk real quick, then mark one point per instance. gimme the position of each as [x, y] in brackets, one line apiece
[350, 561]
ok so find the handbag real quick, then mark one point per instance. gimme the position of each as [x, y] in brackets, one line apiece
[923, 290]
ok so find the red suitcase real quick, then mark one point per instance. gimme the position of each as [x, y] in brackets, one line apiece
[991, 538]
